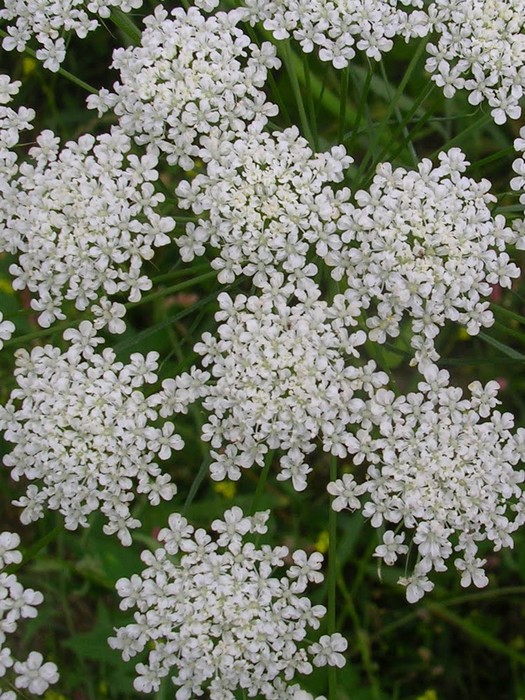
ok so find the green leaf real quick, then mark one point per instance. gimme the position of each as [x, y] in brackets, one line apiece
[505, 349]
[477, 634]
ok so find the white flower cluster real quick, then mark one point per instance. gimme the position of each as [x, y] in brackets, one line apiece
[440, 465]
[218, 618]
[11, 124]
[47, 20]
[339, 27]
[83, 219]
[189, 74]
[518, 183]
[279, 379]
[424, 243]
[82, 430]
[481, 48]
[16, 603]
[266, 204]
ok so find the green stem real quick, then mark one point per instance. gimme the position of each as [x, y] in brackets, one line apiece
[393, 104]
[57, 328]
[61, 71]
[31, 552]
[35, 335]
[281, 103]
[476, 633]
[126, 26]
[468, 598]
[393, 140]
[175, 274]
[362, 639]
[332, 579]
[343, 97]
[309, 96]
[474, 126]
[261, 484]
[399, 116]
[362, 101]
[201, 474]
[171, 290]
[286, 54]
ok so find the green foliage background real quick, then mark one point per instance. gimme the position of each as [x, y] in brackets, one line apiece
[453, 645]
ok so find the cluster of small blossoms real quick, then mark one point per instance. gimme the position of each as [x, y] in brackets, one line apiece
[81, 430]
[279, 379]
[441, 465]
[83, 219]
[424, 243]
[16, 603]
[11, 124]
[266, 203]
[218, 617]
[339, 27]
[518, 183]
[189, 74]
[47, 21]
[481, 48]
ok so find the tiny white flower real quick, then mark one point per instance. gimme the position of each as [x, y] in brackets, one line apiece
[35, 675]
[328, 650]
[18, 603]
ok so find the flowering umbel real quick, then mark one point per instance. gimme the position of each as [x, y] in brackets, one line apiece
[82, 433]
[215, 615]
[264, 203]
[337, 29]
[481, 49]
[82, 220]
[425, 244]
[441, 467]
[48, 21]
[283, 372]
[189, 74]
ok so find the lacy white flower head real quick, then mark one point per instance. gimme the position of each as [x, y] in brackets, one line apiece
[265, 201]
[189, 74]
[518, 183]
[16, 603]
[441, 466]
[82, 433]
[11, 124]
[339, 27]
[83, 219]
[424, 243]
[47, 21]
[282, 375]
[211, 612]
[481, 48]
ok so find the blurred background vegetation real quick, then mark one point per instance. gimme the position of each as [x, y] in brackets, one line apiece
[454, 644]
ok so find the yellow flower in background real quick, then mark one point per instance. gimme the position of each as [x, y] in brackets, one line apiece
[53, 695]
[429, 694]
[5, 286]
[29, 64]
[322, 542]
[228, 489]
